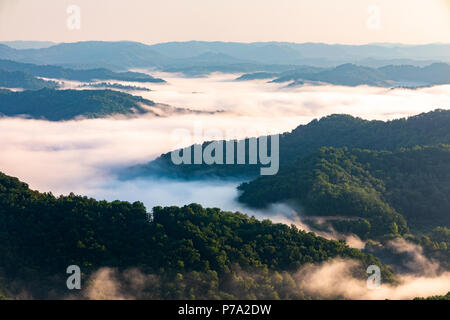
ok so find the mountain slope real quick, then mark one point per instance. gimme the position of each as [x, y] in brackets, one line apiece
[58, 105]
[301, 53]
[374, 185]
[335, 130]
[174, 243]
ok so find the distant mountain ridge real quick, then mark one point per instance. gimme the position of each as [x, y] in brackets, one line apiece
[86, 75]
[293, 53]
[90, 54]
[28, 44]
[353, 75]
[126, 54]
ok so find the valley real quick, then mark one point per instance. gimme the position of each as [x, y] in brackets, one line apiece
[98, 155]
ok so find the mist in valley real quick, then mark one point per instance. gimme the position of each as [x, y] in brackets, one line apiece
[84, 156]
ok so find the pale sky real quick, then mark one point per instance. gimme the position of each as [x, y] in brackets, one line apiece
[153, 21]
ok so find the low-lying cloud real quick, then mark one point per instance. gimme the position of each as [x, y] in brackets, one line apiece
[82, 156]
[333, 279]
[260, 98]
[416, 261]
[79, 155]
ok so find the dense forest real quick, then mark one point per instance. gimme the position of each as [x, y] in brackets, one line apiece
[407, 185]
[56, 105]
[200, 57]
[381, 180]
[335, 130]
[192, 252]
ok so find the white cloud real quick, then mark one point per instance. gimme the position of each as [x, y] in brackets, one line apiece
[78, 155]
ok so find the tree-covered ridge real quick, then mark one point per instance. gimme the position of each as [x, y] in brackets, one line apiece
[113, 86]
[256, 76]
[85, 75]
[335, 130]
[22, 80]
[346, 75]
[55, 105]
[346, 131]
[40, 235]
[355, 75]
[384, 188]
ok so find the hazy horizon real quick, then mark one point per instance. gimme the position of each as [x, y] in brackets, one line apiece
[389, 44]
[351, 22]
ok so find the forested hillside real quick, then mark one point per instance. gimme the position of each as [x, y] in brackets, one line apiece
[113, 86]
[55, 105]
[385, 189]
[334, 130]
[196, 252]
